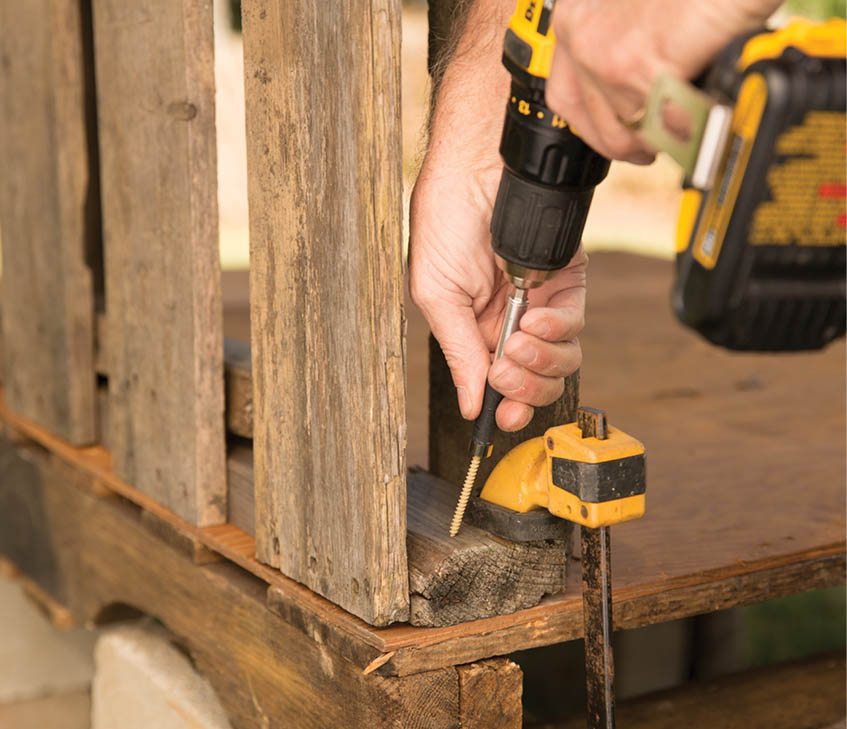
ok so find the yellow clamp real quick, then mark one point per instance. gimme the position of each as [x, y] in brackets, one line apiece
[588, 481]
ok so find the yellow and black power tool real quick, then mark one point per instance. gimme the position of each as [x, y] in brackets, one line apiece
[760, 264]
[761, 233]
[548, 181]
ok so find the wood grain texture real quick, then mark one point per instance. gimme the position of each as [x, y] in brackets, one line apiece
[239, 488]
[156, 111]
[490, 695]
[265, 672]
[724, 524]
[807, 694]
[238, 377]
[784, 546]
[325, 194]
[48, 216]
[451, 580]
[474, 574]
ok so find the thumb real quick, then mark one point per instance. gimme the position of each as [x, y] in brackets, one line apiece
[456, 329]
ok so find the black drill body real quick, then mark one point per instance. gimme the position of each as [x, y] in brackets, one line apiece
[548, 181]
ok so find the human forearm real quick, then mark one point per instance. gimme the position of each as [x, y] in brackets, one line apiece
[472, 86]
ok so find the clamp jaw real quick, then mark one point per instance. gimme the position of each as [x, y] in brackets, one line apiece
[586, 472]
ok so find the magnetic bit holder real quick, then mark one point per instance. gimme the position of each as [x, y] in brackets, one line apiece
[586, 472]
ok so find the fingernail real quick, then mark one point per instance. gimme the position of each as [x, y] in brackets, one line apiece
[520, 422]
[527, 418]
[464, 402]
[524, 355]
[509, 379]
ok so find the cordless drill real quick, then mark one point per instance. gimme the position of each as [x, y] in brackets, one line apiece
[548, 180]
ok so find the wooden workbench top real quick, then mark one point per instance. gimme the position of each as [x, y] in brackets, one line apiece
[745, 467]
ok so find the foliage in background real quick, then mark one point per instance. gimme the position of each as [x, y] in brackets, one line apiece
[817, 9]
[797, 626]
[235, 14]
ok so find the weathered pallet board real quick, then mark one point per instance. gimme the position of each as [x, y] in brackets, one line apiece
[724, 524]
[156, 111]
[451, 580]
[48, 215]
[266, 671]
[326, 287]
[704, 572]
[475, 574]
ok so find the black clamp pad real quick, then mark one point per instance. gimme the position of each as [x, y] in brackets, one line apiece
[531, 526]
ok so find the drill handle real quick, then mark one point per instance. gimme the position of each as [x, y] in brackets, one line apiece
[486, 423]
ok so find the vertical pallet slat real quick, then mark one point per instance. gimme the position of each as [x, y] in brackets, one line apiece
[49, 228]
[156, 110]
[325, 195]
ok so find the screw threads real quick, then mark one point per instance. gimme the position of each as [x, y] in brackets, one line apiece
[462, 504]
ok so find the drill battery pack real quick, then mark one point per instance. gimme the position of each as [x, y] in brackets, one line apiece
[761, 254]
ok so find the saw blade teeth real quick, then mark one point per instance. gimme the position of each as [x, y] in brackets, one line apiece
[462, 504]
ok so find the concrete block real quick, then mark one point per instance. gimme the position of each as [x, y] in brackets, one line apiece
[62, 711]
[35, 659]
[143, 681]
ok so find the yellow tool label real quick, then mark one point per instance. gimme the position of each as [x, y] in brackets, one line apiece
[752, 99]
[807, 184]
[532, 23]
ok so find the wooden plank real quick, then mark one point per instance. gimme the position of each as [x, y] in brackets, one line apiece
[490, 695]
[238, 379]
[643, 595]
[806, 694]
[473, 575]
[701, 545]
[325, 194]
[238, 376]
[559, 618]
[239, 488]
[156, 110]
[451, 580]
[48, 215]
[264, 671]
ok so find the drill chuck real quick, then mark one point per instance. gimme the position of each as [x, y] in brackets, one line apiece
[548, 181]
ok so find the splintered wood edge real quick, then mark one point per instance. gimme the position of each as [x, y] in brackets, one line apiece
[555, 619]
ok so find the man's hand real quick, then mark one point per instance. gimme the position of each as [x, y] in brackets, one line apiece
[608, 54]
[461, 292]
[453, 277]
